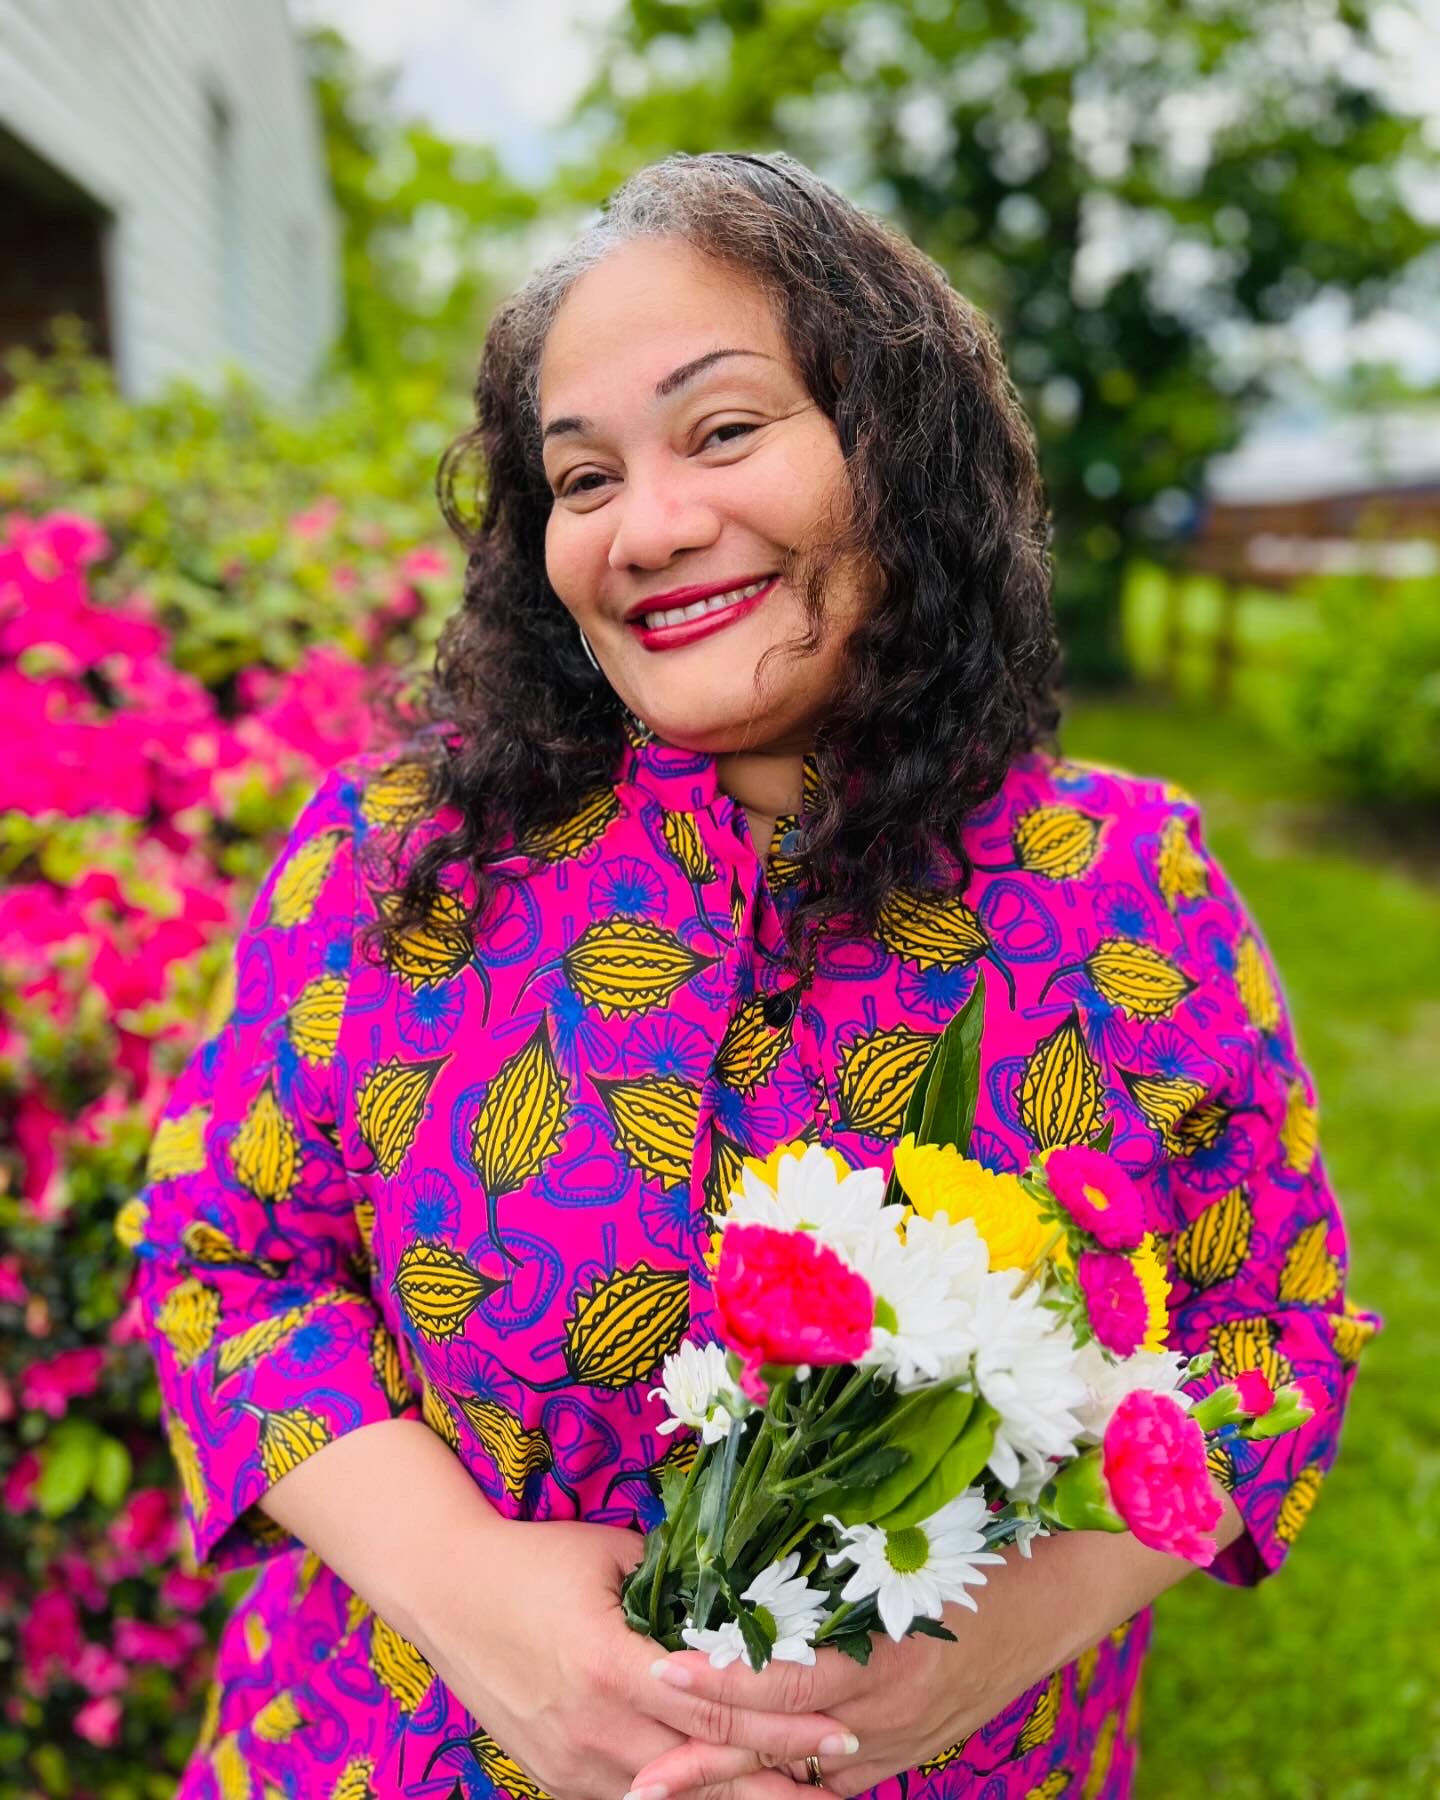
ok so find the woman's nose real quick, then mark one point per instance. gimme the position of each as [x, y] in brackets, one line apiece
[656, 515]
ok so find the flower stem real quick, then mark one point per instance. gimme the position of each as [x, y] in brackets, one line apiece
[669, 1529]
[841, 1613]
[1041, 1259]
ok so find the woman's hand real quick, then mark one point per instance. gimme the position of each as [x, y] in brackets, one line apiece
[918, 1697]
[536, 1647]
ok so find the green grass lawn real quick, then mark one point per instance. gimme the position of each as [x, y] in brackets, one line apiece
[1325, 1681]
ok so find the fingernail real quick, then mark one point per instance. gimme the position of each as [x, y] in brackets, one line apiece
[839, 1743]
[677, 1676]
[656, 1791]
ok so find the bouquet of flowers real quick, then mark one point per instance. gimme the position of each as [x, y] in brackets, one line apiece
[913, 1374]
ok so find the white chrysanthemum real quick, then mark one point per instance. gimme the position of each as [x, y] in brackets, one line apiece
[1107, 1383]
[924, 1287]
[810, 1194]
[1025, 1368]
[913, 1572]
[788, 1609]
[696, 1386]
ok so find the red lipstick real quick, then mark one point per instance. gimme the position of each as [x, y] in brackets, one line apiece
[689, 631]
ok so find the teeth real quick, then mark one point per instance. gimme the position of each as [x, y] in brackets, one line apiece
[653, 621]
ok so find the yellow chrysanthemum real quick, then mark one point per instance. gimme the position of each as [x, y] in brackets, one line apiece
[1150, 1267]
[937, 1178]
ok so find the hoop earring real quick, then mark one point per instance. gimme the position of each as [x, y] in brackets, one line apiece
[589, 653]
[637, 725]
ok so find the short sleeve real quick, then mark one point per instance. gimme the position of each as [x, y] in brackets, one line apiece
[252, 1272]
[1257, 1244]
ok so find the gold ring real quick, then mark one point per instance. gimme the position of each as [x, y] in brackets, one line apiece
[812, 1771]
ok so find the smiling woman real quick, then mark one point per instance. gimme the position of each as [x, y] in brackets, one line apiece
[735, 770]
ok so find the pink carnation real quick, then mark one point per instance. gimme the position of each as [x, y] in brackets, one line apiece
[785, 1298]
[1098, 1195]
[1256, 1394]
[98, 1722]
[1114, 1300]
[1154, 1456]
[1314, 1394]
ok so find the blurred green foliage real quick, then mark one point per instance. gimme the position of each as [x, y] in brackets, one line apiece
[1132, 191]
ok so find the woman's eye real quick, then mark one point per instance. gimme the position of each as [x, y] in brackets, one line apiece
[730, 425]
[574, 487]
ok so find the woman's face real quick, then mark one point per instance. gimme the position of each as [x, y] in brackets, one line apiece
[684, 453]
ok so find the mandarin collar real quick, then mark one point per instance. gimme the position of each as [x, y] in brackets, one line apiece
[681, 780]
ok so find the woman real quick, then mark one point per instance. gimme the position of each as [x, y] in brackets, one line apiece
[736, 773]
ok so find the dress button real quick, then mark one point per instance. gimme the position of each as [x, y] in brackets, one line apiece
[789, 844]
[778, 1009]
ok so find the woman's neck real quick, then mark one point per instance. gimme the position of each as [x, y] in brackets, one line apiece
[766, 784]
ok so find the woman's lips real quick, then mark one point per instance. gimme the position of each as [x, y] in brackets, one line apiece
[688, 631]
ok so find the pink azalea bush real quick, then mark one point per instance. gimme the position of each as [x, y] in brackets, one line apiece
[139, 805]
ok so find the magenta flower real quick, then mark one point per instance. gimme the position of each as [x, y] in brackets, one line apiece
[1256, 1394]
[18, 1492]
[1154, 1458]
[168, 1646]
[50, 1386]
[1098, 1195]
[50, 1638]
[146, 1527]
[98, 1722]
[784, 1298]
[1114, 1300]
[13, 1291]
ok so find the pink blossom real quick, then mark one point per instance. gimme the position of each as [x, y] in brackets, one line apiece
[1314, 1394]
[169, 1646]
[785, 1298]
[1098, 1195]
[185, 1592]
[128, 1327]
[1154, 1457]
[67, 539]
[146, 1525]
[12, 1285]
[50, 1386]
[100, 1671]
[50, 1636]
[317, 521]
[1114, 1300]
[98, 1722]
[19, 1490]
[424, 563]
[1256, 1394]
[71, 1571]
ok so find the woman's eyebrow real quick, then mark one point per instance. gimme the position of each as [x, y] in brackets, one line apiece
[667, 384]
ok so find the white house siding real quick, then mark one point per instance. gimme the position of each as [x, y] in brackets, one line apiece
[207, 264]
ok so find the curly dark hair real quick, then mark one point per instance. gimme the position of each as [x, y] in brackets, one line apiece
[951, 672]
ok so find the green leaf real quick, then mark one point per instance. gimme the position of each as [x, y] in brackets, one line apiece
[854, 1644]
[757, 1645]
[950, 1473]
[941, 1108]
[930, 1628]
[67, 1462]
[926, 1430]
[110, 1476]
[1101, 1139]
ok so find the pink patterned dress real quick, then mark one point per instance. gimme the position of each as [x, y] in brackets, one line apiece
[471, 1186]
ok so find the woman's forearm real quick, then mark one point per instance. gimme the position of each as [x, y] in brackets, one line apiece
[391, 1510]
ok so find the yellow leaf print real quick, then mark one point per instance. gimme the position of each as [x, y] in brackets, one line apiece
[1039, 1728]
[1058, 842]
[621, 965]
[206, 1243]
[313, 1022]
[1295, 1508]
[178, 1146]
[1311, 1275]
[438, 1289]
[245, 1348]
[301, 882]
[1299, 1135]
[750, 1050]
[1214, 1246]
[625, 1324]
[399, 1667]
[1200, 1129]
[265, 1150]
[943, 1760]
[1051, 1788]
[935, 931]
[502, 1770]
[389, 1105]
[1257, 989]
[520, 1124]
[1180, 868]
[1136, 978]
[436, 949]
[130, 1223]
[365, 1227]
[287, 1438]
[516, 1452]
[278, 1720]
[727, 1161]
[573, 836]
[1163, 1100]
[1101, 1757]
[1220, 1463]
[1352, 1331]
[356, 1613]
[231, 1768]
[257, 1638]
[1241, 1344]
[209, 1717]
[877, 1075]
[1061, 1092]
[438, 1416]
[188, 1317]
[399, 795]
[682, 839]
[655, 1121]
[187, 1465]
[1085, 1665]
[357, 1780]
[389, 1370]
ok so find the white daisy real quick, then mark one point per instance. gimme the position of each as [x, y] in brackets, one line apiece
[789, 1612]
[810, 1194]
[1107, 1383]
[913, 1572]
[1025, 1368]
[924, 1308]
[696, 1386]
